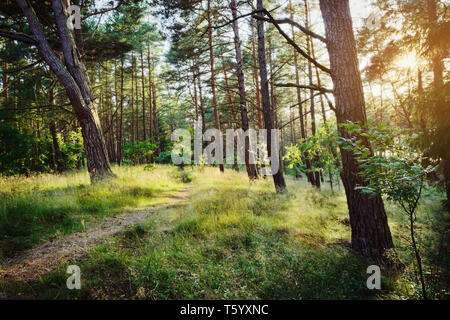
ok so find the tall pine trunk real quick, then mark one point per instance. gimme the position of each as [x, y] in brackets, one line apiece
[120, 122]
[213, 80]
[150, 109]
[132, 99]
[155, 119]
[371, 235]
[144, 132]
[278, 178]
[316, 175]
[251, 168]
[202, 107]
[256, 78]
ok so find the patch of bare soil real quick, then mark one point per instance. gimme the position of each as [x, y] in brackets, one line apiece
[36, 262]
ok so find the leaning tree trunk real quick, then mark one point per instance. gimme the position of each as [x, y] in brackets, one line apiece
[278, 178]
[371, 235]
[251, 168]
[73, 76]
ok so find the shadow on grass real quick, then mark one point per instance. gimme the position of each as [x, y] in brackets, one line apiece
[29, 219]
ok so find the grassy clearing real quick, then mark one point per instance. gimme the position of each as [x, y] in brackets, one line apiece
[239, 240]
[43, 207]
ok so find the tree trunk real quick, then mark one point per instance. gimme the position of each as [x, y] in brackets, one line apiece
[73, 77]
[371, 235]
[256, 78]
[60, 165]
[229, 95]
[299, 98]
[115, 123]
[5, 82]
[132, 99]
[314, 176]
[150, 80]
[144, 132]
[437, 61]
[251, 168]
[155, 119]
[120, 129]
[278, 178]
[213, 84]
[202, 108]
[137, 101]
[438, 83]
[194, 79]
[109, 119]
[297, 80]
[324, 115]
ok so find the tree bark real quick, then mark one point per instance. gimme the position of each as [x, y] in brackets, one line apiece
[194, 79]
[229, 95]
[278, 178]
[132, 99]
[115, 121]
[371, 235]
[120, 129]
[150, 80]
[155, 119]
[251, 168]
[5, 82]
[315, 176]
[137, 101]
[144, 134]
[202, 107]
[213, 84]
[256, 78]
[297, 76]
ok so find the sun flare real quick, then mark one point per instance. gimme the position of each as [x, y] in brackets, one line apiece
[408, 60]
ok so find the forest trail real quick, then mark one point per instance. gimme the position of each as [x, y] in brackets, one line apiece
[38, 261]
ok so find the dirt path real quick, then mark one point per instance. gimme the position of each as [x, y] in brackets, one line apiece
[46, 257]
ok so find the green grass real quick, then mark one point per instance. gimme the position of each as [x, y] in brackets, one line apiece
[239, 240]
[43, 207]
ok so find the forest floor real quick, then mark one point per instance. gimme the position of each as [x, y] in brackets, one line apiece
[38, 261]
[198, 234]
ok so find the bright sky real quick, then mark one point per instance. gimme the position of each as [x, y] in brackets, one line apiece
[360, 9]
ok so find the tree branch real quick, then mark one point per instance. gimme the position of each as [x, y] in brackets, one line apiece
[97, 12]
[291, 42]
[301, 86]
[299, 26]
[22, 37]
